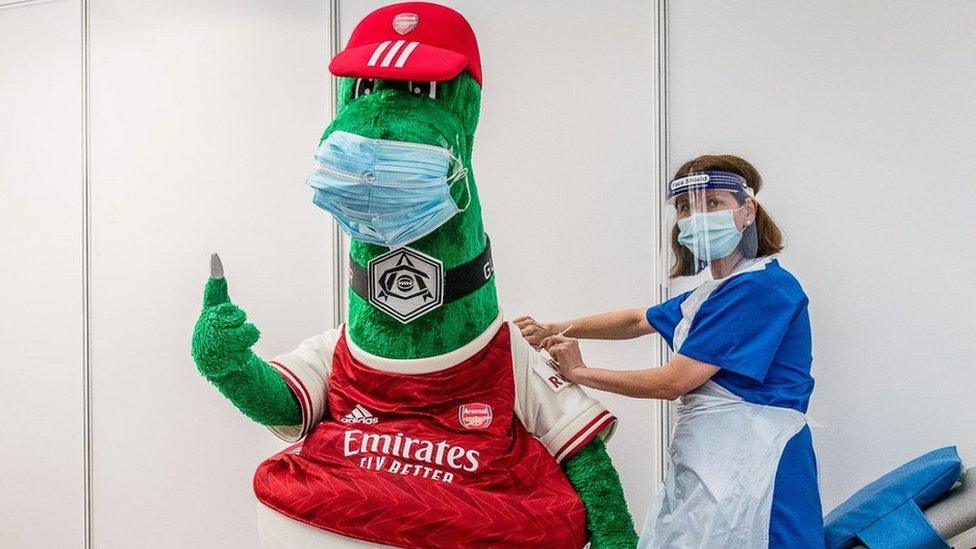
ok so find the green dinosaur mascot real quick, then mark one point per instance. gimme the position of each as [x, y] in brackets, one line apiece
[425, 421]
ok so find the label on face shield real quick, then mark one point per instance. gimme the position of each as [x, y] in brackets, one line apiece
[689, 181]
[406, 284]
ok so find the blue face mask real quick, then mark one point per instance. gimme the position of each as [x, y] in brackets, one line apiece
[711, 235]
[389, 193]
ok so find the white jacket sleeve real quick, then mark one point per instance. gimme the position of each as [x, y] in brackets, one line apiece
[306, 370]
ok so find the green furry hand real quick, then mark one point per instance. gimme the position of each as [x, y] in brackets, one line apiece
[221, 348]
[222, 334]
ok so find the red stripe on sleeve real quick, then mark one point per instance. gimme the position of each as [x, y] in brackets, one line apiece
[300, 391]
[585, 435]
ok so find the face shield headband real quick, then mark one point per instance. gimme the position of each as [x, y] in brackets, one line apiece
[717, 180]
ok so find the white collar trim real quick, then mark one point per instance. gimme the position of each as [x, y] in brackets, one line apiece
[428, 364]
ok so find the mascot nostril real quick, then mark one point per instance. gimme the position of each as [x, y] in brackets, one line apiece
[426, 420]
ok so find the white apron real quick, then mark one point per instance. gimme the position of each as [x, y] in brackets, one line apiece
[718, 486]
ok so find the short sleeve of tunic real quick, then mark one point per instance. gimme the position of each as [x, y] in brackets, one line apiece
[665, 317]
[556, 411]
[306, 370]
[740, 326]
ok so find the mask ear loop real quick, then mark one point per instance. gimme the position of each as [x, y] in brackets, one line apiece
[460, 171]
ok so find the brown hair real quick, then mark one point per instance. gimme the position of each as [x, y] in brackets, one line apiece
[768, 236]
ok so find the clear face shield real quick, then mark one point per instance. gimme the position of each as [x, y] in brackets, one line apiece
[712, 221]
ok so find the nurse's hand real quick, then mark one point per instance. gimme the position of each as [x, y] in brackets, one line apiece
[533, 331]
[566, 352]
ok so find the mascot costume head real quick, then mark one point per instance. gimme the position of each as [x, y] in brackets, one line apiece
[425, 421]
[409, 99]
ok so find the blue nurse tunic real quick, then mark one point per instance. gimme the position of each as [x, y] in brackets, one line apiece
[755, 327]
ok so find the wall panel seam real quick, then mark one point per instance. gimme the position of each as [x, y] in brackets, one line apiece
[338, 237]
[662, 141]
[86, 270]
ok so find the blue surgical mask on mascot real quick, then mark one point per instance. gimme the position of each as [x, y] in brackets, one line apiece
[711, 235]
[388, 193]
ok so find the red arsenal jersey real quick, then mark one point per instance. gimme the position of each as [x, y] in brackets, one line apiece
[432, 456]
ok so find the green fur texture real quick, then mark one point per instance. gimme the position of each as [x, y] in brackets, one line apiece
[596, 481]
[221, 348]
[448, 121]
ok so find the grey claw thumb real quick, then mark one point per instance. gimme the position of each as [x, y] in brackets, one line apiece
[216, 267]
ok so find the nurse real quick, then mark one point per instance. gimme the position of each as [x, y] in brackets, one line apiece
[741, 467]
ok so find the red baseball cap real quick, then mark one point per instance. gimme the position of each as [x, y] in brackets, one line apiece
[410, 41]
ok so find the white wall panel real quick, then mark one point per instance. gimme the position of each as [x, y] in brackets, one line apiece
[861, 117]
[205, 117]
[41, 453]
[564, 161]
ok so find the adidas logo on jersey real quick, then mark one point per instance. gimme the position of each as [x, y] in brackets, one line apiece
[360, 415]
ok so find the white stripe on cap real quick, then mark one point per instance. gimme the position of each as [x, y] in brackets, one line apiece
[406, 54]
[389, 55]
[377, 53]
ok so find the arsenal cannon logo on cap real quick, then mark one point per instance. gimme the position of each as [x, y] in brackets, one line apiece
[405, 22]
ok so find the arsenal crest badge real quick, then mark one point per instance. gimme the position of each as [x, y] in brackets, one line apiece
[474, 416]
[405, 22]
[406, 284]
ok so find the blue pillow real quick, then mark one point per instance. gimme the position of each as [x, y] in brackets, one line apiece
[887, 513]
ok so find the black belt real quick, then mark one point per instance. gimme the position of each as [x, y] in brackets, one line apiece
[458, 282]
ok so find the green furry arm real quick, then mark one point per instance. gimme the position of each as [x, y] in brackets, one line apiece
[222, 343]
[592, 475]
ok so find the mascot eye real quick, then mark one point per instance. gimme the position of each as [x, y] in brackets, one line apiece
[424, 88]
[364, 86]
